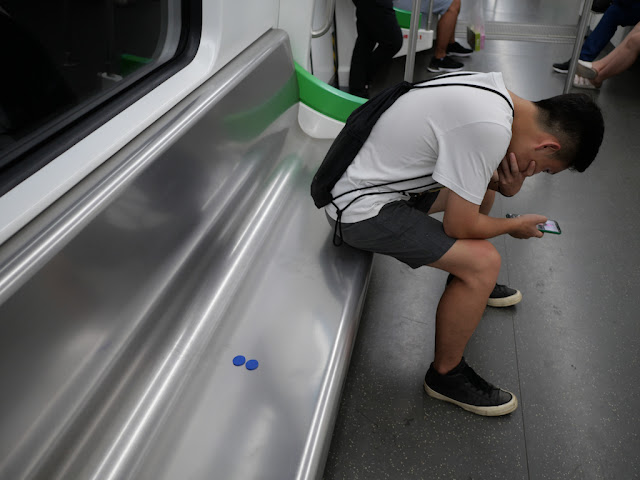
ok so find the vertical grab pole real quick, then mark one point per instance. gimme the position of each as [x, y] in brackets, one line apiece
[413, 41]
[582, 28]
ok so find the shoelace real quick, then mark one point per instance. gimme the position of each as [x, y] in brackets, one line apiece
[501, 289]
[477, 381]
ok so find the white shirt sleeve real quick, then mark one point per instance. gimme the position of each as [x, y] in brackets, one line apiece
[468, 156]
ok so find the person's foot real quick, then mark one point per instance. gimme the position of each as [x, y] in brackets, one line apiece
[581, 82]
[457, 50]
[465, 388]
[562, 67]
[444, 64]
[586, 70]
[501, 296]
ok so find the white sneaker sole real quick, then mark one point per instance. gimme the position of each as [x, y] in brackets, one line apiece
[586, 70]
[496, 411]
[506, 301]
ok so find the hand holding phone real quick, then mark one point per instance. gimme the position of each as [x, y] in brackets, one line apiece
[550, 226]
[526, 226]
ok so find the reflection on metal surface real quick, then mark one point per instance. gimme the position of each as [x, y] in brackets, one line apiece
[525, 32]
[121, 312]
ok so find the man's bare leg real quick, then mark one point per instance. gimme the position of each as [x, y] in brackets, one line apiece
[475, 264]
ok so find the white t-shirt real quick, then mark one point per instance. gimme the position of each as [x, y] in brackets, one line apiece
[452, 136]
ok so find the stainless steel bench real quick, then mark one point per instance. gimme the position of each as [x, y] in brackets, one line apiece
[124, 304]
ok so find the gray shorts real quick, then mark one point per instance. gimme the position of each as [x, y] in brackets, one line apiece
[403, 230]
[439, 6]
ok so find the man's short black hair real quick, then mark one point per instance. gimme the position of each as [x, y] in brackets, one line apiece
[576, 121]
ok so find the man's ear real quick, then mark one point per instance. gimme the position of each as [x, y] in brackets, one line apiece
[551, 146]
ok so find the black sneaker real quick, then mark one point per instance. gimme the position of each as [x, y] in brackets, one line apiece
[465, 388]
[444, 64]
[562, 67]
[458, 50]
[502, 296]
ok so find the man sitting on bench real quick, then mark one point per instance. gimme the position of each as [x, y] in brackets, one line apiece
[474, 138]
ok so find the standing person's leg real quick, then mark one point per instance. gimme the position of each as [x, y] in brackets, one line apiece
[361, 56]
[445, 39]
[387, 33]
[446, 29]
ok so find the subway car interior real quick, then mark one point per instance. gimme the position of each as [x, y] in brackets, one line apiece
[173, 304]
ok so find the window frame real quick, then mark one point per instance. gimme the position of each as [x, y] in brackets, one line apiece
[43, 146]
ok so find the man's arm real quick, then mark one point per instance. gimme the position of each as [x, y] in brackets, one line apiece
[462, 219]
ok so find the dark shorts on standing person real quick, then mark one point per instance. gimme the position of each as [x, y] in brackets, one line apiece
[403, 230]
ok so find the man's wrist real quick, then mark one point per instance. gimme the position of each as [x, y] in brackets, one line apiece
[514, 224]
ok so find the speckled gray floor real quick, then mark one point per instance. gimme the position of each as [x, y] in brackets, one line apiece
[569, 350]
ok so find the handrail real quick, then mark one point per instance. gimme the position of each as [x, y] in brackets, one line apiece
[582, 28]
[331, 5]
[413, 40]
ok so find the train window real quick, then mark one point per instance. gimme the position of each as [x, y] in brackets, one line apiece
[70, 65]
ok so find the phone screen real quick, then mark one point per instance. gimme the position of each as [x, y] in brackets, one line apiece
[550, 226]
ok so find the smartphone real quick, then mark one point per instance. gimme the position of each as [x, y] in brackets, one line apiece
[550, 226]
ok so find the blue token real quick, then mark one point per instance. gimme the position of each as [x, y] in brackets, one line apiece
[252, 364]
[238, 361]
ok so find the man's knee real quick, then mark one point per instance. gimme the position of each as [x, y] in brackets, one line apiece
[475, 262]
[483, 263]
[486, 256]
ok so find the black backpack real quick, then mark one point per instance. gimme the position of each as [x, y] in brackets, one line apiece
[349, 141]
[356, 131]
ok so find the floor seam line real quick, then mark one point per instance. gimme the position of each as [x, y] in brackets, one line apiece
[515, 349]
